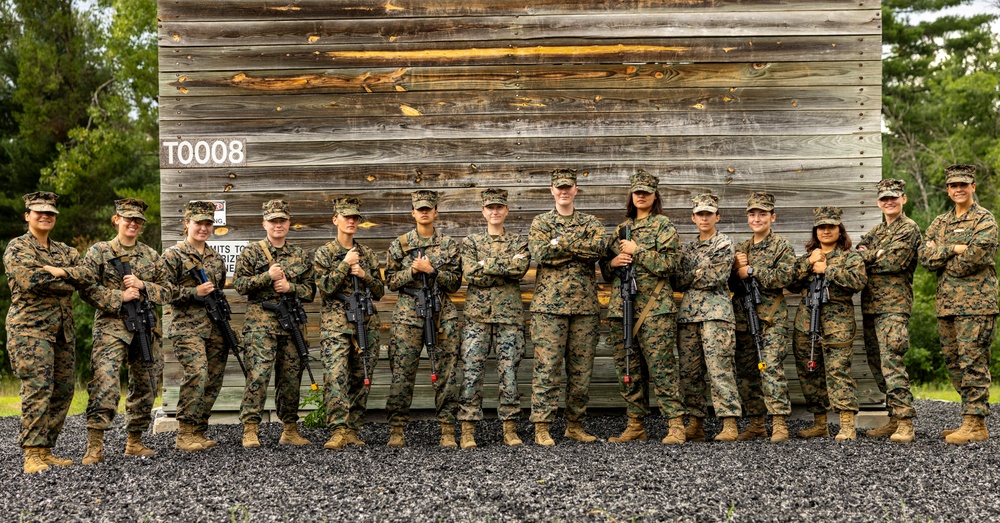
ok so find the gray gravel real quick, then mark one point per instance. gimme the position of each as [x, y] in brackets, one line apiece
[754, 481]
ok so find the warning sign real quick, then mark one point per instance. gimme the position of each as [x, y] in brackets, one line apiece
[229, 251]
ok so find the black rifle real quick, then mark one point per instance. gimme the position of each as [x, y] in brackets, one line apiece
[628, 291]
[819, 295]
[291, 316]
[217, 307]
[749, 299]
[140, 320]
[358, 306]
[428, 303]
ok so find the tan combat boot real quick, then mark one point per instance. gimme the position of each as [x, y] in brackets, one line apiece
[468, 435]
[135, 447]
[675, 432]
[948, 432]
[574, 430]
[542, 436]
[51, 459]
[185, 439]
[396, 438]
[885, 430]
[635, 430]
[353, 439]
[756, 429]
[779, 430]
[33, 460]
[95, 447]
[199, 436]
[291, 436]
[695, 430]
[847, 431]
[250, 436]
[973, 429]
[904, 431]
[338, 439]
[510, 437]
[819, 428]
[447, 435]
[729, 430]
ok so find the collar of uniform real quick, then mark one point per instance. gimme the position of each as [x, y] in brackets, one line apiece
[710, 239]
[187, 248]
[38, 245]
[416, 240]
[119, 249]
[763, 243]
[639, 223]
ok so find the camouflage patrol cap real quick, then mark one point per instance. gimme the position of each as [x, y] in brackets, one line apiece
[494, 197]
[890, 188]
[761, 200]
[960, 174]
[199, 211]
[274, 209]
[563, 178]
[827, 216]
[705, 202]
[41, 201]
[424, 199]
[347, 206]
[131, 208]
[642, 181]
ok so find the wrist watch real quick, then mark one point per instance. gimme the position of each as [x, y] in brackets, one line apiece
[750, 271]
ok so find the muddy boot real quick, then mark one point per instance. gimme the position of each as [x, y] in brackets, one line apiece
[199, 436]
[51, 459]
[510, 434]
[574, 430]
[973, 429]
[779, 430]
[185, 439]
[250, 436]
[819, 428]
[635, 430]
[396, 438]
[291, 436]
[337, 440]
[756, 430]
[468, 435]
[542, 436]
[95, 447]
[33, 460]
[847, 431]
[695, 430]
[904, 431]
[675, 432]
[135, 447]
[353, 439]
[447, 435]
[729, 430]
[885, 430]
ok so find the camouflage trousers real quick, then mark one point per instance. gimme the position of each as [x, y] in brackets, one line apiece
[965, 344]
[887, 338]
[478, 339]
[707, 351]
[653, 360]
[562, 342]
[267, 353]
[46, 370]
[831, 384]
[110, 353]
[763, 391]
[344, 393]
[404, 357]
[204, 364]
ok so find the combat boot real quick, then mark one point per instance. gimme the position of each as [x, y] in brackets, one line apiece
[904, 431]
[33, 460]
[199, 436]
[695, 430]
[948, 432]
[51, 459]
[574, 430]
[779, 430]
[95, 447]
[185, 439]
[542, 436]
[729, 430]
[135, 447]
[635, 430]
[396, 438]
[973, 429]
[291, 436]
[468, 435]
[337, 440]
[250, 436]
[675, 432]
[447, 435]
[353, 439]
[847, 431]
[819, 428]
[510, 437]
[885, 430]
[756, 429]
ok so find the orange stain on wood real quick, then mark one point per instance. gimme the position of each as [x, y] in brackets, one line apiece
[499, 52]
[314, 81]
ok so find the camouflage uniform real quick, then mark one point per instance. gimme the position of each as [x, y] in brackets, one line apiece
[40, 329]
[886, 302]
[565, 311]
[966, 300]
[344, 392]
[706, 341]
[113, 343]
[493, 267]
[269, 348]
[406, 333]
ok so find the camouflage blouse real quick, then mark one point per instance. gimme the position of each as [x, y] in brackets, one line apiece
[493, 267]
[967, 282]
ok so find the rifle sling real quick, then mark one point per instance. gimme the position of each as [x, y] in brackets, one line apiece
[648, 307]
[267, 252]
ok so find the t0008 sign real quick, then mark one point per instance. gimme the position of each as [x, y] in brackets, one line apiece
[203, 152]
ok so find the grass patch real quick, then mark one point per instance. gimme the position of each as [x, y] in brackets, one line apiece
[944, 392]
[10, 401]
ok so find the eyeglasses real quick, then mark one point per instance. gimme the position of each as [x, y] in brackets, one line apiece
[140, 221]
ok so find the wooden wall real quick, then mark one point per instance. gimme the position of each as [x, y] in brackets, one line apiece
[377, 99]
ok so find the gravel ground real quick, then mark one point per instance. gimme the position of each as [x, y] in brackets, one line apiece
[754, 481]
